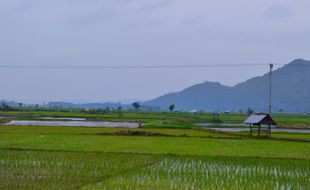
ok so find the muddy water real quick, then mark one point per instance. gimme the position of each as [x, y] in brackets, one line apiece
[221, 125]
[247, 129]
[73, 123]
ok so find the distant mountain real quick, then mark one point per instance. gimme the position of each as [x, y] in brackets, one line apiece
[291, 93]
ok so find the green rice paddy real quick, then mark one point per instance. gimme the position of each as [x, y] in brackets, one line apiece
[181, 157]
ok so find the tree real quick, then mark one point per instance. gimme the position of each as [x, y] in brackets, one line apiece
[5, 107]
[171, 107]
[136, 105]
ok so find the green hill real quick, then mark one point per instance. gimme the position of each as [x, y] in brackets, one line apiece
[291, 93]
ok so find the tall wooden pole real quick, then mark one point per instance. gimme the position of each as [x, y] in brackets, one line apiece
[270, 95]
[270, 88]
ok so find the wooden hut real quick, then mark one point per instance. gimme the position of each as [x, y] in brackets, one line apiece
[260, 122]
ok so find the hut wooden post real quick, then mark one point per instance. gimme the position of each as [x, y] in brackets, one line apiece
[251, 129]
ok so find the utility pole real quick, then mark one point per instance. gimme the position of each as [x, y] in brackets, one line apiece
[270, 95]
[270, 87]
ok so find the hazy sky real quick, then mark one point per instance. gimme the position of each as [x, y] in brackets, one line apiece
[142, 32]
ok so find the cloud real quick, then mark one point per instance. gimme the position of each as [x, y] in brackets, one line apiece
[278, 12]
[156, 5]
[144, 32]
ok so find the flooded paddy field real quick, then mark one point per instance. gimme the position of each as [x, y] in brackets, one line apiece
[86, 170]
[73, 123]
[63, 118]
[169, 151]
[279, 130]
[221, 125]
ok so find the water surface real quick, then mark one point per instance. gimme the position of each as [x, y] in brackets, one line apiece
[73, 123]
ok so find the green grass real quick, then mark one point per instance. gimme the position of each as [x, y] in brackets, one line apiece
[305, 136]
[159, 145]
[282, 135]
[48, 130]
[163, 119]
[194, 132]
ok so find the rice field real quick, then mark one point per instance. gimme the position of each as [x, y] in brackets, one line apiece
[214, 173]
[25, 169]
[62, 170]
[157, 119]
[169, 153]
